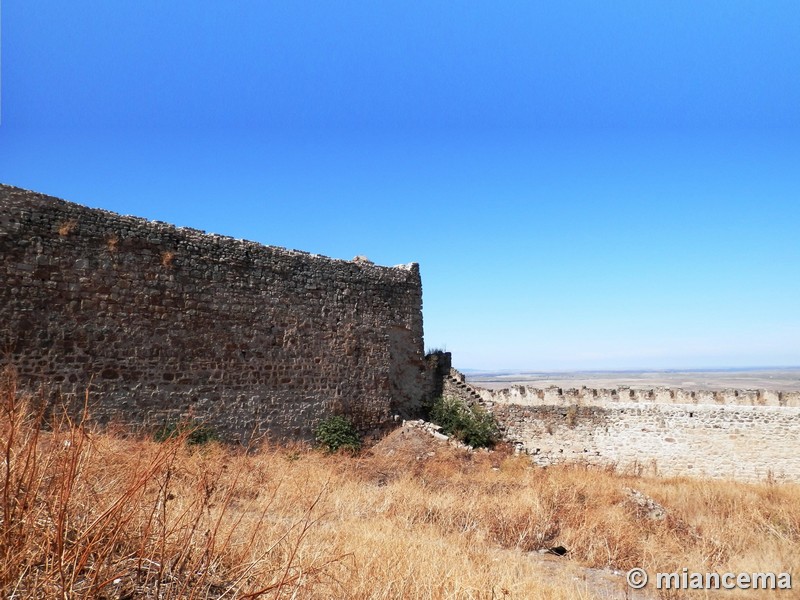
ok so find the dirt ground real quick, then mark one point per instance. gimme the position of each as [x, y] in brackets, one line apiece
[409, 443]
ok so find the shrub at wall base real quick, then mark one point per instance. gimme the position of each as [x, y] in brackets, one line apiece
[470, 424]
[337, 433]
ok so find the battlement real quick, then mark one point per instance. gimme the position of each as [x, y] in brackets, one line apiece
[741, 434]
[556, 396]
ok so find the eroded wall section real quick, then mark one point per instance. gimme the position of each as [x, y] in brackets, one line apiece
[159, 323]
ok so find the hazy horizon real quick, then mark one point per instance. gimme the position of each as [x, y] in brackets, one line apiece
[774, 379]
[630, 370]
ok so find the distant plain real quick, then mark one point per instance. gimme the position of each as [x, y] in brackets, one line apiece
[777, 379]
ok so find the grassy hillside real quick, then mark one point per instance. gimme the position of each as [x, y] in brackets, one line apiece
[99, 515]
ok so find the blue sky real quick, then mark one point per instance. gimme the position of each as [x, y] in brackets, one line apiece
[584, 184]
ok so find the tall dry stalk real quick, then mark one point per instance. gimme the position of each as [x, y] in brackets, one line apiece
[96, 516]
[87, 514]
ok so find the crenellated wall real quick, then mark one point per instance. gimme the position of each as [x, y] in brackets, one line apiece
[160, 322]
[533, 396]
[741, 434]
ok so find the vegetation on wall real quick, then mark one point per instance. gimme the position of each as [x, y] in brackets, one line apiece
[470, 424]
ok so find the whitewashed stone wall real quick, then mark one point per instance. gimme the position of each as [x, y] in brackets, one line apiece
[740, 434]
[532, 396]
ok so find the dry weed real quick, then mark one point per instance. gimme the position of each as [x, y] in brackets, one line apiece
[87, 514]
[67, 227]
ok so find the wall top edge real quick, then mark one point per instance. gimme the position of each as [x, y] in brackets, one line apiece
[9, 193]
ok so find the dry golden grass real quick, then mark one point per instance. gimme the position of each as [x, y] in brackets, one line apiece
[67, 227]
[95, 515]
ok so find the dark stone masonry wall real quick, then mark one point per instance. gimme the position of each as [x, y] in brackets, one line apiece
[161, 323]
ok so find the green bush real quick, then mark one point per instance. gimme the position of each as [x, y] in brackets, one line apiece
[196, 433]
[469, 424]
[337, 433]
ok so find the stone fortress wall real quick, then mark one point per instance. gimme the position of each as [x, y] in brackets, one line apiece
[741, 434]
[161, 323]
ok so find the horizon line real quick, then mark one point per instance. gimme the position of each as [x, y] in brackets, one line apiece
[630, 370]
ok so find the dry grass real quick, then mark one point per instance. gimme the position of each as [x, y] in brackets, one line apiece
[95, 515]
[167, 258]
[112, 243]
[67, 227]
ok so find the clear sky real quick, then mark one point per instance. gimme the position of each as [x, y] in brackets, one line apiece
[584, 184]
